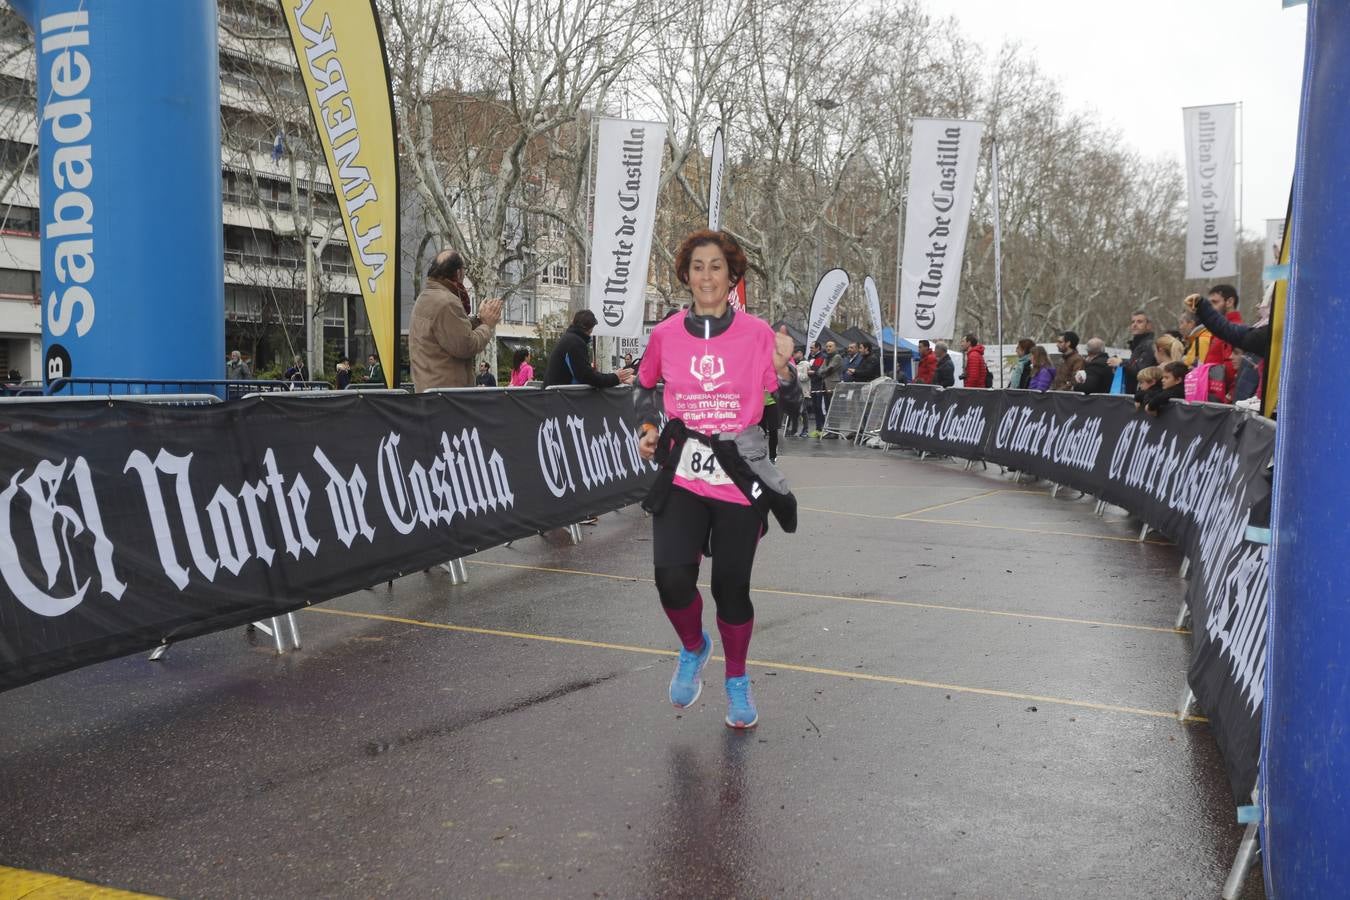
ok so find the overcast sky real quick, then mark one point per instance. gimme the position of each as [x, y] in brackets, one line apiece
[1137, 64]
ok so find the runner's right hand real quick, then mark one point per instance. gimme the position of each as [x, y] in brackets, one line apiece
[647, 444]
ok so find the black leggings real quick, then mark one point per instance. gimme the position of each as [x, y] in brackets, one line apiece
[770, 421]
[683, 529]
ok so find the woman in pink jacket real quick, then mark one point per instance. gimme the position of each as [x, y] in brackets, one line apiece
[521, 370]
[716, 364]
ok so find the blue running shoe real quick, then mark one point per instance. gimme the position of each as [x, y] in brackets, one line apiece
[687, 682]
[741, 712]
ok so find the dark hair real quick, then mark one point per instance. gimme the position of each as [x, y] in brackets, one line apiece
[735, 256]
[1178, 370]
[1039, 358]
[1226, 291]
[923, 342]
[585, 320]
[971, 338]
[865, 346]
[519, 357]
[445, 265]
[1025, 345]
[1070, 338]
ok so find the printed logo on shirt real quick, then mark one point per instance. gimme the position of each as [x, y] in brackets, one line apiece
[708, 369]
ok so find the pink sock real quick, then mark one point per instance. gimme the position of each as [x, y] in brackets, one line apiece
[735, 645]
[688, 623]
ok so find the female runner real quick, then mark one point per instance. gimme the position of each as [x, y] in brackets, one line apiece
[716, 363]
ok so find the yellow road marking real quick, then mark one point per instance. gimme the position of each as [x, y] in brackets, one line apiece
[19, 884]
[937, 506]
[766, 664]
[912, 604]
[962, 524]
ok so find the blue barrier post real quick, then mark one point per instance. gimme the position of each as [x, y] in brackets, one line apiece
[1306, 771]
[129, 176]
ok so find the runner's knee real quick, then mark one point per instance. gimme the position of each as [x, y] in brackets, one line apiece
[677, 585]
[732, 595]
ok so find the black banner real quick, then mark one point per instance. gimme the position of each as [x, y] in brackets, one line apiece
[123, 524]
[1198, 473]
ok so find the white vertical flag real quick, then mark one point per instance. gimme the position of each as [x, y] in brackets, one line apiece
[943, 159]
[829, 291]
[873, 304]
[627, 172]
[717, 167]
[1211, 235]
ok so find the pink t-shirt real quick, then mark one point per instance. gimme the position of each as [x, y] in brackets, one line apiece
[522, 375]
[712, 385]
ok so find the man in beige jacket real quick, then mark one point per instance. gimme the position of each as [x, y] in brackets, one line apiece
[442, 339]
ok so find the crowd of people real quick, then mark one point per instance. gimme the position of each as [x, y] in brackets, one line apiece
[1210, 355]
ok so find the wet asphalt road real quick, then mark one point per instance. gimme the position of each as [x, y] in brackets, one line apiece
[960, 702]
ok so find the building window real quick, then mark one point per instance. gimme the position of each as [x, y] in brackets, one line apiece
[20, 220]
[18, 283]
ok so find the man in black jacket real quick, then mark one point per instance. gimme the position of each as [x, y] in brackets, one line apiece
[1141, 352]
[868, 366]
[1095, 378]
[570, 361]
[946, 369]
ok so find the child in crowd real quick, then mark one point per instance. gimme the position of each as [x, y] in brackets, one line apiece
[1173, 387]
[1148, 385]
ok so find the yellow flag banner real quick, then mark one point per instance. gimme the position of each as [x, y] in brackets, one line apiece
[340, 49]
[1278, 307]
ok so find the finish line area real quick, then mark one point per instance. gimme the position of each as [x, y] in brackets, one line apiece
[967, 687]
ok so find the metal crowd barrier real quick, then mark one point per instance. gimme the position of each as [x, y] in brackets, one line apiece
[848, 407]
[879, 403]
[224, 388]
[153, 399]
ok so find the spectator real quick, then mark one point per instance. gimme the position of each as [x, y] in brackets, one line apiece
[792, 406]
[343, 375]
[1021, 373]
[1253, 339]
[442, 338]
[374, 371]
[848, 362]
[945, 375]
[1223, 298]
[1167, 349]
[297, 371]
[1095, 376]
[521, 370]
[236, 369]
[570, 361]
[869, 367]
[1070, 363]
[977, 374]
[1197, 338]
[1141, 351]
[928, 363]
[1172, 386]
[1247, 381]
[628, 362]
[1042, 373]
[805, 377]
[1148, 386]
[485, 377]
[831, 368]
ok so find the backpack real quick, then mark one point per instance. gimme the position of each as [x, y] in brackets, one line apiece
[1197, 383]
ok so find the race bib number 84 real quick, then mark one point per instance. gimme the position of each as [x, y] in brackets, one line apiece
[697, 463]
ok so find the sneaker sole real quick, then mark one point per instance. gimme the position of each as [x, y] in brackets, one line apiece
[738, 726]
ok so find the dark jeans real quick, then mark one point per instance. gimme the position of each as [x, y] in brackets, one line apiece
[792, 415]
[822, 404]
